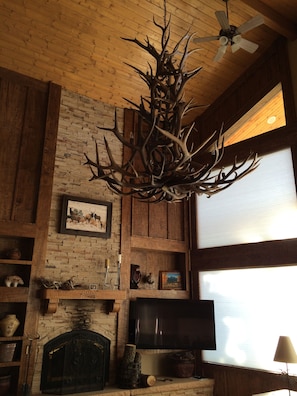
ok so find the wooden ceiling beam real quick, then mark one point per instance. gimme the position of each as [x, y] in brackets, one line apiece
[274, 20]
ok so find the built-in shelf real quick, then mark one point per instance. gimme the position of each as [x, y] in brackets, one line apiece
[10, 364]
[148, 293]
[53, 296]
[166, 245]
[13, 338]
[14, 294]
[11, 261]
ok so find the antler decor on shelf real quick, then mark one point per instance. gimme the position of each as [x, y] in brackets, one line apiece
[163, 164]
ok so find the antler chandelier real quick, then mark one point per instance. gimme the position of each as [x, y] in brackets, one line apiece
[162, 164]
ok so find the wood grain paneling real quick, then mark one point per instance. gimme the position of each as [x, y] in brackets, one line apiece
[234, 381]
[28, 126]
[78, 44]
[21, 124]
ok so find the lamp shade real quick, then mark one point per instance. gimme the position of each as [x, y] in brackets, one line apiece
[285, 351]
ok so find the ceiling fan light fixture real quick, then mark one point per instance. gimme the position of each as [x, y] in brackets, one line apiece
[236, 39]
[233, 33]
[223, 40]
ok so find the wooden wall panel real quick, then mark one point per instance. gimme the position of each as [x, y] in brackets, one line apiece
[158, 223]
[162, 220]
[249, 89]
[233, 381]
[177, 221]
[30, 158]
[22, 125]
[140, 218]
[12, 98]
[28, 126]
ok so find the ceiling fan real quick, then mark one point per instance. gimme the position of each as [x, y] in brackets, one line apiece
[230, 34]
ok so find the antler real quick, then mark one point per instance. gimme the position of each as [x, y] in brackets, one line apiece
[162, 165]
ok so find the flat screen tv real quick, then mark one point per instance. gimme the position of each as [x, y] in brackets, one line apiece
[172, 324]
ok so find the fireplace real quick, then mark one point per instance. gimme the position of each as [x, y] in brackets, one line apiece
[76, 361]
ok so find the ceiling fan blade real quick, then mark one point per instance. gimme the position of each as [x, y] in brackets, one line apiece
[221, 52]
[235, 47]
[203, 39]
[251, 24]
[222, 19]
[247, 45]
[235, 43]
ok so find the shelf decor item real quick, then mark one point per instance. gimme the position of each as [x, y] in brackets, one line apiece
[14, 254]
[170, 280]
[7, 351]
[4, 384]
[87, 217]
[130, 368]
[8, 325]
[13, 281]
[183, 364]
[135, 276]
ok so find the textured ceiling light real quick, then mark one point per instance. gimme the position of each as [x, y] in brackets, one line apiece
[162, 164]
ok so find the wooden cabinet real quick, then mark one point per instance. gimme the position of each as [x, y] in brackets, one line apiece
[29, 111]
[13, 300]
[155, 237]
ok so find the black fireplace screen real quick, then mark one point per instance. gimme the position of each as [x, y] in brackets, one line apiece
[76, 361]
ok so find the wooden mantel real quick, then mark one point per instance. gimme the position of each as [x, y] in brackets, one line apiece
[53, 296]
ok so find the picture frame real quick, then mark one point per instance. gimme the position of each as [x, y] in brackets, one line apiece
[86, 217]
[170, 280]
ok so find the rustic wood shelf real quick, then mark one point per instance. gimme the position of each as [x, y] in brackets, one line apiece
[147, 293]
[14, 294]
[53, 296]
[13, 338]
[17, 229]
[166, 245]
[18, 262]
[10, 364]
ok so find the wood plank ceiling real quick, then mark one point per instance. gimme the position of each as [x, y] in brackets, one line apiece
[77, 43]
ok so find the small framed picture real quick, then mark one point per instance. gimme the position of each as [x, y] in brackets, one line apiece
[87, 217]
[170, 280]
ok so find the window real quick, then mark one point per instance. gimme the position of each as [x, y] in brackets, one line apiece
[253, 307]
[260, 207]
[266, 115]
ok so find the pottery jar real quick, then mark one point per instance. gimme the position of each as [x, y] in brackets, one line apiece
[4, 384]
[8, 325]
[14, 254]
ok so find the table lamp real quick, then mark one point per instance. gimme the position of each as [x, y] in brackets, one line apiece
[285, 352]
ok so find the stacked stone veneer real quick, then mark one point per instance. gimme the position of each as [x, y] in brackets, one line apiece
[81, 257]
